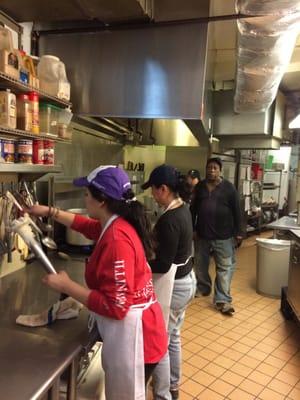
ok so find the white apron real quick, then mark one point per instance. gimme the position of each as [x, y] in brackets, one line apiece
[123, 351]
[164, 283]
[123, 355]
[163, 288]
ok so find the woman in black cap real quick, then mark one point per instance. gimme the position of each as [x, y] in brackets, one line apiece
[172, 268]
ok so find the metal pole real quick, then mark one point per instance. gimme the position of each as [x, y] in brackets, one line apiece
[53, 392]
[72, 380]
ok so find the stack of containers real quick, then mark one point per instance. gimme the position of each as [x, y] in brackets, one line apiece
[8, 119]
[24, 112]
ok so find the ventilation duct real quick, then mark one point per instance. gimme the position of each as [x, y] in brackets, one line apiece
[266, 43]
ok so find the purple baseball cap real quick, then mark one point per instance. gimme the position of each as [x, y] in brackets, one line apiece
[109, 179]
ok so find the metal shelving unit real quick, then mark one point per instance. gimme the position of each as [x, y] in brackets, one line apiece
[17, 133]
[29, 172]
[8, 82]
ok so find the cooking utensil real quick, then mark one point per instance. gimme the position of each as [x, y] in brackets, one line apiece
[44, 227]
[46, 240]
[22, 227]
[8, 231]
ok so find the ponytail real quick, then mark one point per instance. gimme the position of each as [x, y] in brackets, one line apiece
[133, 212]
[182, 188]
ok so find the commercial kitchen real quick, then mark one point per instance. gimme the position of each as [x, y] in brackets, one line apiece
[137, 84]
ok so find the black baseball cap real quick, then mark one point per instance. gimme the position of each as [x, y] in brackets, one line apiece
[194, 173]
[162, 175]
[216, 160]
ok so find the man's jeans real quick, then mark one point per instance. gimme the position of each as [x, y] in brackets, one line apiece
[167, 373]
[224, 255]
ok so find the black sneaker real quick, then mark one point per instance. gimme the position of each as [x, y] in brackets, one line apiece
[227, 309]
[219, 306]
[174, 394]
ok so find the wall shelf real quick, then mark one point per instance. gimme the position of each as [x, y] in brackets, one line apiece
[17, 133]
[16, 86]
[29, 172]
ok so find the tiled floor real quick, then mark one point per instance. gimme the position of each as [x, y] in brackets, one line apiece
[253, 355]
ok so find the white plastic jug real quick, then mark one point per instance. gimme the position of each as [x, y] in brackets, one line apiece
[52, 75]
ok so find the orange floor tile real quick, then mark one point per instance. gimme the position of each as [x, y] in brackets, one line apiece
[253, 355]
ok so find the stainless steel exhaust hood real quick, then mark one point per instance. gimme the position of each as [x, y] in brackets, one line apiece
[154, 72]
[261, 130]
[150, 73]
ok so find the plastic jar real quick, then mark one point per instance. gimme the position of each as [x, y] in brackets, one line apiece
[24, 115]
[8, 150]
[52, 75]
[45, 118]
[38, 151]
[24, 151]
[48, 152]
[34, 103]
[8, 114]
[49, 115]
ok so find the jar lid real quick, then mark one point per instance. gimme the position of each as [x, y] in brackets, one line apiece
[50, 57]
[22, 96]
[49, 105]
[33, 96]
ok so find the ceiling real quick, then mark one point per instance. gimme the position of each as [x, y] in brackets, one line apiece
[106, 11]
[225, 47]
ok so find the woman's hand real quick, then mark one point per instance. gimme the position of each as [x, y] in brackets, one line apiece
[63, 284]
[59, 282]
[37, 210]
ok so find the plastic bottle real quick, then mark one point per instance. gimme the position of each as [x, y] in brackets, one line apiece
[34, 102]
[24, 115]
[8, 114]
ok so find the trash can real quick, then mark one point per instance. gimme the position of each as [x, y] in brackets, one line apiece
[272, 266]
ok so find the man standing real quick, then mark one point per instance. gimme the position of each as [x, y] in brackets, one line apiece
[216, 218]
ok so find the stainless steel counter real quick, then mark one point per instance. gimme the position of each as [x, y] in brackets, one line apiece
[296, 232]
[32, 359]
[284, 223]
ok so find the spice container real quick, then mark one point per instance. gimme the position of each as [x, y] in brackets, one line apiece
[49, 118]
[8, 150]
[8, 117]
[24, 151]
[24, 115]
[34, 103]
[49, 152]
[38, 151]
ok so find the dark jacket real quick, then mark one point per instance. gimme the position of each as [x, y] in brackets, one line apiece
[216, 215]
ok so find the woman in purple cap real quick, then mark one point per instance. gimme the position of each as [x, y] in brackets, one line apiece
[119, 281]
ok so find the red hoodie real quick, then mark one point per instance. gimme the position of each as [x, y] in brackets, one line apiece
[119, 276]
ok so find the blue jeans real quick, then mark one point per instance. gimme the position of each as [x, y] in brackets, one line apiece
[224, 254]
[167, 373]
